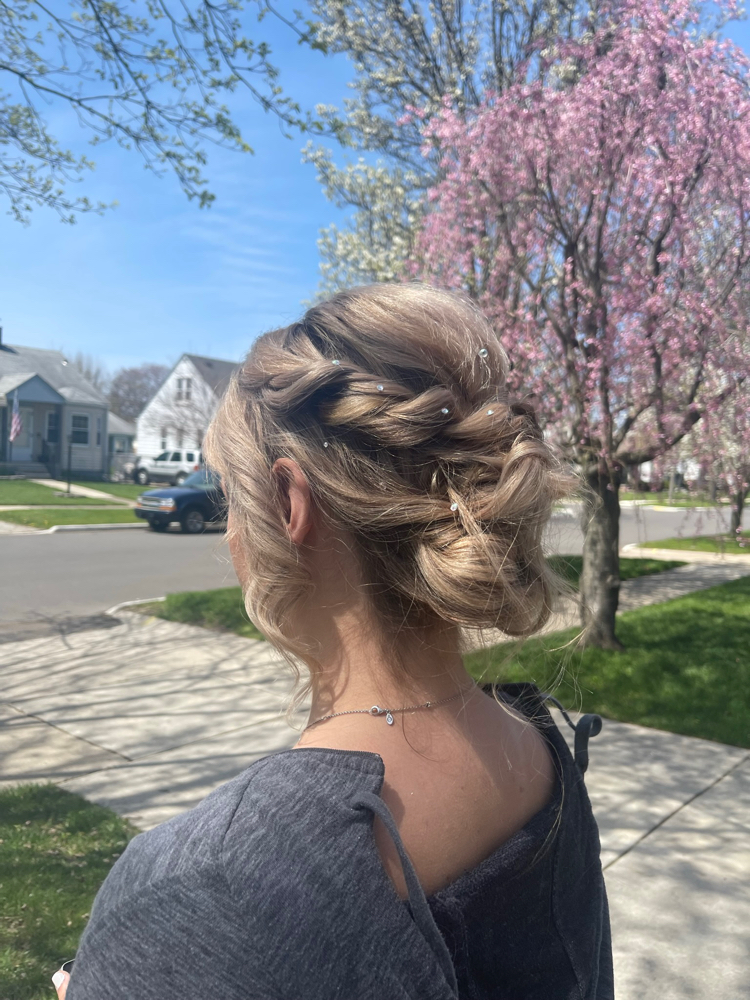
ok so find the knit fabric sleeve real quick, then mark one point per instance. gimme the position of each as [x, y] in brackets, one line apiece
[168, 942]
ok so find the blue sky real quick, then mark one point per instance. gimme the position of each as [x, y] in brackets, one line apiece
[157, 276]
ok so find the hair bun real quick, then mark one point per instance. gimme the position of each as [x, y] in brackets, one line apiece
[393, 400]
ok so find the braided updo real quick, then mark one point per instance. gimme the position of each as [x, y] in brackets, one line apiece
[392, 399]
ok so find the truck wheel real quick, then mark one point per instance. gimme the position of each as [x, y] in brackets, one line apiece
[192, 521]
[180, 478]
[142, 478]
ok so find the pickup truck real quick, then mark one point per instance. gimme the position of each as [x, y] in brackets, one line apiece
[169, 467]
[198, 502]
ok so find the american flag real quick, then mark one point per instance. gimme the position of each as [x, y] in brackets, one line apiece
[16, 425]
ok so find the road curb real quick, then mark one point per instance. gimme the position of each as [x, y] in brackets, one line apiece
[129, 604]
[90, 527]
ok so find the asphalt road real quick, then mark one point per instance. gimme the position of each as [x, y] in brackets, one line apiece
[73, 573]
[46, 578]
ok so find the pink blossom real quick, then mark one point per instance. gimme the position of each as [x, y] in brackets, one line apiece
[602, 224]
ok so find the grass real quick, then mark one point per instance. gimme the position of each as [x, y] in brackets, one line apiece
[23, 491]
[739, 545]
[129, 491]
[55, 851]
[221, 609]
[48, 518]
[685, 667]
[570, 567]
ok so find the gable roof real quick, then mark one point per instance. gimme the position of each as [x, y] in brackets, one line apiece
[30, 387]
[116, 425]
[54, 368]
[214, 372]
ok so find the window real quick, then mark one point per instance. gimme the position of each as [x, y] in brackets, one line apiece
[184, 389]
[98, 430]
[80, 428]
[163, 457]
[163, 438]
[189, 456]
[176, 456]
[53, 427]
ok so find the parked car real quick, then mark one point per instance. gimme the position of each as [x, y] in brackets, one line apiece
[196, 503]
[169, 467]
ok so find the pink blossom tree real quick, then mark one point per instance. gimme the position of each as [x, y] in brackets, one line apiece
[600, 216]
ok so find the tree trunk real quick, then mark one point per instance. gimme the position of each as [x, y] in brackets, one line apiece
[738, 505]
[600, 577]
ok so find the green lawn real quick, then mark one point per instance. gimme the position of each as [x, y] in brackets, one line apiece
[705, 543]
[47, 518]
[55, 851]
[23, 491]
[129, 491]
[221, 609]
[685, 667]
[570, 567]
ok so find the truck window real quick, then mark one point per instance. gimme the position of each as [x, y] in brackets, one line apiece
[176, 456]
[163, 457]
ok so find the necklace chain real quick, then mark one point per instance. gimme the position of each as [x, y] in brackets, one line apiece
[387, 712]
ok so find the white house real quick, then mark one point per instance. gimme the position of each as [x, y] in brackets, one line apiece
[180, 412]
[63, 417]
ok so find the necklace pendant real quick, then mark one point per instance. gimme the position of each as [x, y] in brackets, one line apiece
[389, 718]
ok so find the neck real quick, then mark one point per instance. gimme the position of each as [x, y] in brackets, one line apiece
[361, 669]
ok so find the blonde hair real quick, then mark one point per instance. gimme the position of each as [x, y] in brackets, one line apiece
[392, 399]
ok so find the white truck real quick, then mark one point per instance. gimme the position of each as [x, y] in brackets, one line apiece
[169, 467]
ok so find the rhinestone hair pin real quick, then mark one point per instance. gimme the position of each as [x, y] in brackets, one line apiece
[502, 392]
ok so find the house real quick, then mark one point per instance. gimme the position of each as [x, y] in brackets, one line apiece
[120, 434]
[180, 412]
[63, 417]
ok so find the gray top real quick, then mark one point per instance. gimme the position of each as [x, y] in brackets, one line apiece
[273, 887]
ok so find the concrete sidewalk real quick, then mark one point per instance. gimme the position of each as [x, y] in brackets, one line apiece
[149, 716]
[84, 491]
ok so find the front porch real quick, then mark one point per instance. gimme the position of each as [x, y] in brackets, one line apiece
[37, 449]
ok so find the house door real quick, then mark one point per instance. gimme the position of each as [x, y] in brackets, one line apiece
[23, 446]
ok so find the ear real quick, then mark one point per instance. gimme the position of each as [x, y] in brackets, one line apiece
[296, 497]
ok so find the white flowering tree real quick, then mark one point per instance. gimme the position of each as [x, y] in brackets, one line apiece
[410, 53]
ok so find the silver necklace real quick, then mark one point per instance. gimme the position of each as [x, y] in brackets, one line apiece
[387, 712]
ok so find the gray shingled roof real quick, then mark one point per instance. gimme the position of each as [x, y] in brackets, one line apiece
[116, 425]
[53, 367]
[213, 371]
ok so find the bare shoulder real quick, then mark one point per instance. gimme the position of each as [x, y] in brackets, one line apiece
[459, 792]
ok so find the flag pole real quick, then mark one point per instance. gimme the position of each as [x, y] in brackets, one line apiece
[10, 430]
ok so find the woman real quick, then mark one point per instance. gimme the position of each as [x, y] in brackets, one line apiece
[424, 838]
